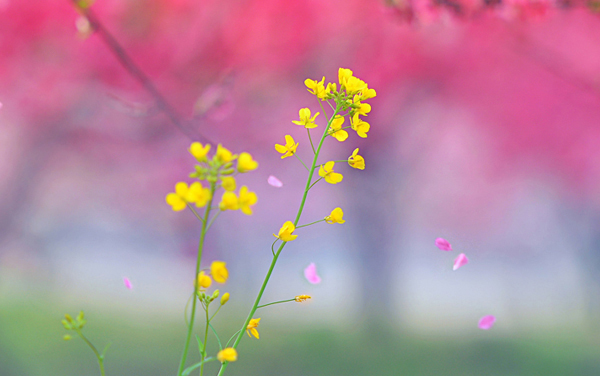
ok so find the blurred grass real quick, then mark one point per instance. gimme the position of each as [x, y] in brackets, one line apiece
[31, 344]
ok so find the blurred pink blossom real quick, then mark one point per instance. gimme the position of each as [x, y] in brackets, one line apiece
[460, 261]
[443, 244]
[273, 181]
[486, 322]
[127, 283]
[310, 273]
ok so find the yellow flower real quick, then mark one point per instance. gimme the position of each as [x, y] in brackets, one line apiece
[223, 154]
[199, 152]
[305, 119]
[219, 272]
[335, 129]
[203, 280]
[288, 149]
[228, 183]
[356, 161]
[353, 85]
[343, 75]
[301, 298]
[229, 201]
[198, 195]
[246, 199]
[286, 231]
[363, 109]
[327, 172]
[178, 200]
[246, 163]
[251, 328]
[224, 298]
[317, 88]
[336, 216]
[331, 88]
[367, 93]
[360, 126]
[228, 354]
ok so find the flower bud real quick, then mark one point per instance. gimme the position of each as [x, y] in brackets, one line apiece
[67, 337]
[215, 294]
[224, 298]
[301, 298]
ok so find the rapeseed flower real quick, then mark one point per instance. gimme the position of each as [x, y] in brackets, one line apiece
[219, 271]
[305, 119]
[356, 161]
[203, 280]
[246, 163]
[335, 129]
[199, 152]
[336, 216]
[198, 195]
[360, 126]
[251, 328]
[228, 183]
[229, 201]
[228, 354]
[288, 149]
[286, 232]
[178, 200]
[317, 87]
[223, 155]
[246, 199]
[326, 171]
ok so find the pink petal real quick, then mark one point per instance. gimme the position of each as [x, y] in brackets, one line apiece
[273, 181]
[443, 244]
[460, 261]
[310, 273]
[127, 283]
[486, 322]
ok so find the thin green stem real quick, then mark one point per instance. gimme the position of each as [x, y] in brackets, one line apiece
[276, 256]
[203, 355]
[301, 161]
[198, 259]
[277, 302]
[212, 220]
[195, 213]
[311, 143]
[316, 181]
[186, 308]
[216, 335]
[272, 245]
[98, 356]
[312, 223]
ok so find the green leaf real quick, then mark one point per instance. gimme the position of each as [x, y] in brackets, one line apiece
[200, 345]
[193, 367]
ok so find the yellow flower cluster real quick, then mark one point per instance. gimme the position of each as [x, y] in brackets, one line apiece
[218, 271]
[349, 102]
[220, 171]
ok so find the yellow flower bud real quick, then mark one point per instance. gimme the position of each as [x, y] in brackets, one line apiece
[224, 298]
[67, 337]
[301, 298]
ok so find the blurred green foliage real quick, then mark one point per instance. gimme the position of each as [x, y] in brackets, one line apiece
[31, 344]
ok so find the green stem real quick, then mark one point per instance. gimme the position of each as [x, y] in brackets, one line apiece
[301, 162]
[277, 302]
[98, 356]
[274, 261]
[202, 356]
[194, 211]
[198, 259]
[311, 143]
[312, 223]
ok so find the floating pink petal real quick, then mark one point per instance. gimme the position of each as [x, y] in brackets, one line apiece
[273, 181]
[310, 273]
[460, 261]
[486, 322]
[127, 283]
[443, 244]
